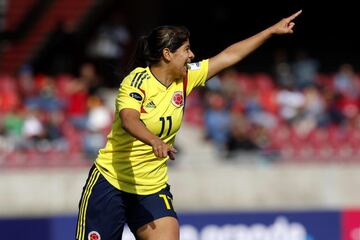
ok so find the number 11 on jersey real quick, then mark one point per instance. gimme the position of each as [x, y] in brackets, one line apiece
[163, 121]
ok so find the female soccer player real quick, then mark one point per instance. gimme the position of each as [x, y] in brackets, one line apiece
[128, 181]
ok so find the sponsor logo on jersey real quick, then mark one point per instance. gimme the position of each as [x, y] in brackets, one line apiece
[150, 104]
[193, 66]
[94, 235]
[177, 99]
[136, 96]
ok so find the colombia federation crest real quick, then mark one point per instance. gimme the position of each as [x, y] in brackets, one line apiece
[177, 99]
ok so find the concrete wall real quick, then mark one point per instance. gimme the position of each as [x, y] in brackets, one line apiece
[223, 187]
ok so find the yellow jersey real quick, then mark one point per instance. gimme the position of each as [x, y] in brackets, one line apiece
[129, 164]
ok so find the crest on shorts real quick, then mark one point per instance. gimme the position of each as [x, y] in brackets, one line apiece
[177, 99]
[94, 235]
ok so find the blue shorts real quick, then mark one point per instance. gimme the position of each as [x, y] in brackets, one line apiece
[104, 210]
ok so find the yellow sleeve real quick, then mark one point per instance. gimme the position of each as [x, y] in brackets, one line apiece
[197, 74]
[129, 96]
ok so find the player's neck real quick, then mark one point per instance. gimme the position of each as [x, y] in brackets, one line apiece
[162, 75]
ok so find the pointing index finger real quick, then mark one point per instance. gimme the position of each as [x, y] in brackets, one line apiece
[292, 17]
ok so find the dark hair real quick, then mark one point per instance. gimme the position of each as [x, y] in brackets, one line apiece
[149, 48]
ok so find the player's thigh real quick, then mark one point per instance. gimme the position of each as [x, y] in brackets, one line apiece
[166, 228]
[101, 210]
[154, 210]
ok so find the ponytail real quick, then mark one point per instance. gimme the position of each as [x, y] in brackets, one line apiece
[141, 52]
[139, 57]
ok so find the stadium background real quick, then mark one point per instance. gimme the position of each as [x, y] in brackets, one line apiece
[253, 195]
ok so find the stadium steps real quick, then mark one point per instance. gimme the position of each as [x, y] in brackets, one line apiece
[16, 11]
[19, 52]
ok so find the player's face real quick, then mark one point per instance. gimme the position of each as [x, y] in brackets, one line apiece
[181, 57]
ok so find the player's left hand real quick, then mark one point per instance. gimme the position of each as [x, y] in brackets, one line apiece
[171, 153]
[285, 25]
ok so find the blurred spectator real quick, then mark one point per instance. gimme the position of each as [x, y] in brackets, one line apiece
[333, 107]
[88, 73]
[266, 91]
[239, 135]
[214, 84]
[346, 81]
[99, 116]
[282, 71]
[9, 96]
[305, 69]
[111, 40]
[255, 111]
[98, 124]
[25, 77]
[13, 123]
[290, 102]
[12, 127]
[217, 120]
[45, 97]
[229, 83]
[314, 106]
[33, 129]
[76, 105]
[54, 133]
[347, 89]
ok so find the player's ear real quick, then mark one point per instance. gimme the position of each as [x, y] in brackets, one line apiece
[166, 54]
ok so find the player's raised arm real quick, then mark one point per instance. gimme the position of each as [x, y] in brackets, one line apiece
[239, 50]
